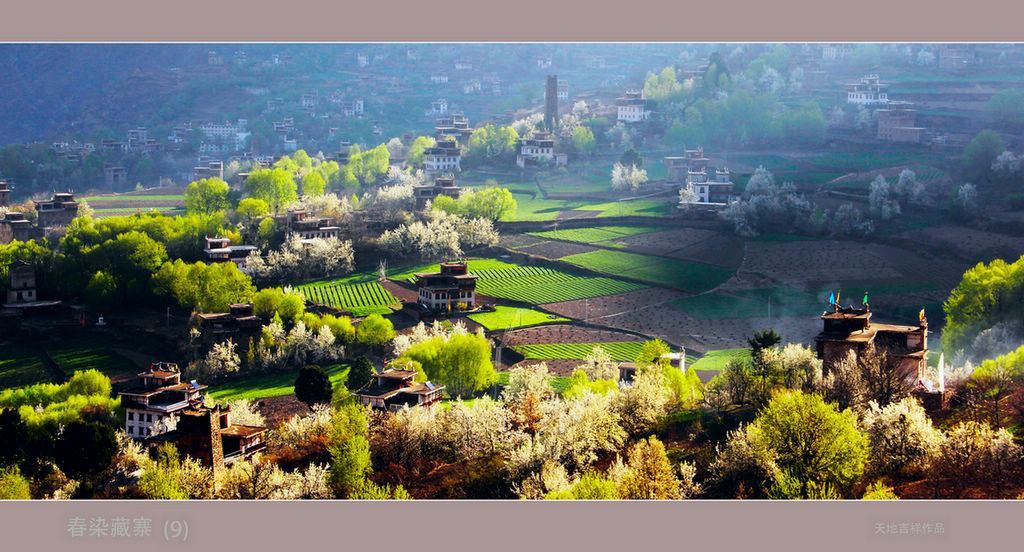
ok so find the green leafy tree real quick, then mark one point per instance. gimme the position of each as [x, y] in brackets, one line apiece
[266, 301]
[591, 486]
[85, 449]
[208, 195]
[1006, 108]
[274, 186]
[159, 481]
[251, 208]
[462, 362]
[313, 386]
[649, 474]
[813, 445]
[361, 372]
[763, 339]
[13, 485]
[979, 155]
[349, 449]
[291, 307]
[375, 330]
[583, 141]
[996, 379]
[313, 184]
[416, 157]
[373, 491]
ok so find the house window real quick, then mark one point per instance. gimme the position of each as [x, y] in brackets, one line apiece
[131, 415]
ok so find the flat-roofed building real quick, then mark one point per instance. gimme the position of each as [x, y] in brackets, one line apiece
[867, 91]
[394, 389]
[848, 329]
[632, 107]
[444, 186]
[445, 290]
[443, 158]
[58, 211]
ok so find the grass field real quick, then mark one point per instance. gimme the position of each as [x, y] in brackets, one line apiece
[717, 360]
[532, 284]
[361, 299]
[269, 385]
[596, 234]
[21, 366]
[619, 351]
[690, 276]
[161, 208]
[872, 160]
[528, 208]
[99, 358]
[135, 198]
[511, 317]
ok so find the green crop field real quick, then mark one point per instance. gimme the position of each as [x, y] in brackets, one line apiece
[717, 360]
[596, 234]
[531, 284]
[511, 317]
[21, 366]
[534, 284]
[689, 276]
[755, 303]
[638, 208]
[361, 299]
[619, 351]
[135, 198]
[269, 385]
[99, 358]
[872, 160]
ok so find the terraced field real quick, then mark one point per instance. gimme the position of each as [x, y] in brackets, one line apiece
[361, 299]
[512, 317]
[99, 358]
[689, 276]
[717, 360]
[621, 351]
[269, 385]
[596, 234]
[21, 366]
[532, 284]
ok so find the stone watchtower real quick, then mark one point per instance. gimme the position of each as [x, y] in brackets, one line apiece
[5, 194]
[21, 283]
[199, 435]
[551, 103]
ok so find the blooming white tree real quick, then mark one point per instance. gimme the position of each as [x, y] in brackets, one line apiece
[527, 126]
[442, 236]
[880, 200]
[220, 362]
[687, 196]
[967, 198]
[903, 440]
[395, 147]
[323, 205]
[627, 178]
[599, 365]
[245, 412]
[641, 404]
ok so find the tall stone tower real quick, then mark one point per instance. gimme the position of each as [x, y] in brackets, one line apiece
[551, 103]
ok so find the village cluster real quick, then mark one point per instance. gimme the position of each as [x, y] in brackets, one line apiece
[626, 285]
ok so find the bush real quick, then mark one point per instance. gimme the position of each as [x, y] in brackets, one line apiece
[375, 330]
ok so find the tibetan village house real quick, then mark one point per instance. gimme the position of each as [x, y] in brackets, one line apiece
[392, 389]
[447, 289]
